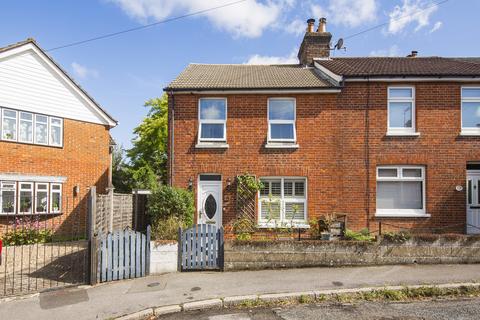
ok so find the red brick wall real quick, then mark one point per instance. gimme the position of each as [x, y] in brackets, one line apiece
[84, 160]
[331, 132]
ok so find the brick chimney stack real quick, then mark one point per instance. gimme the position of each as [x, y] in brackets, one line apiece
[315, 44]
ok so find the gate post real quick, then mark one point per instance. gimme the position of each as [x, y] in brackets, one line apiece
[92, 241]
[179, 250]
[220, 248]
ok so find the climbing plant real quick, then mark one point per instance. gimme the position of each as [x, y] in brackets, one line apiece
[247, 187]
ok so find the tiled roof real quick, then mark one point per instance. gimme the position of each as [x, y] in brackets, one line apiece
[389, 66]
[235, 77]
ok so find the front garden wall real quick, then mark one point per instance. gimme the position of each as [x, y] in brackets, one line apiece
[255, 255]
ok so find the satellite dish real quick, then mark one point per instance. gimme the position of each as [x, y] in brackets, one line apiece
[339, 44]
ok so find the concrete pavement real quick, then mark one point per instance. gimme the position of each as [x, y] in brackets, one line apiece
[124, 297]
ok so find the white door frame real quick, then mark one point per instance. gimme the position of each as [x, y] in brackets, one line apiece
[473, 208]
[201, 217]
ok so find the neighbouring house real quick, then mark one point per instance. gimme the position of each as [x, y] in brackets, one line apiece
[391, 139]
[54, 140]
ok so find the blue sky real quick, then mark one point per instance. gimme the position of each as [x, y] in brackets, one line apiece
[122, 72]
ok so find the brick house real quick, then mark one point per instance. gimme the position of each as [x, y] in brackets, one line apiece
[54, 141]
[392, 139]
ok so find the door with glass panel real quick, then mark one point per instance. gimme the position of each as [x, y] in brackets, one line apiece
[210, 200]
[473, 202]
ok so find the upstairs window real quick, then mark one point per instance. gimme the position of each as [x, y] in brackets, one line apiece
[212, 119]
[56, 128]
[471, 110]
[401, 110]
[9, 122]
[41, 129]
[281, 120]
[26, 127]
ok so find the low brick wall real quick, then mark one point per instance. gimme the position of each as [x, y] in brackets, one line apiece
[163, 256]
[254, 255]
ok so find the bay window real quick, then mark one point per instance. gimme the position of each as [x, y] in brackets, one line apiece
[281, 120]
[471, 111]
[401, 191]
[401, 110]
[212, 120]
[27, 197]
[283, 202]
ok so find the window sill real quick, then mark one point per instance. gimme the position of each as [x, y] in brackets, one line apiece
[299, 225]
[401, 215]
[402, 134]
[30, 214]
[212, 145]
[470, 133]
[281, 145]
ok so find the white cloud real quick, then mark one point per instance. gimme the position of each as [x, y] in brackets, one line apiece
[411, 12]
[248, 19]
[436, 26]
[288, 59]
[393, 51]
[83, 72]
[350, 13]
[296, 27]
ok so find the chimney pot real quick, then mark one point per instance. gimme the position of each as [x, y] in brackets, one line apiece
[413, 54]
[310, 25]
[322, 26]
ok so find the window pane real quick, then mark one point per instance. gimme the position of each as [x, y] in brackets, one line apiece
[270, 210]
[9, 127]
[281, 109]
[471, 93]
[212, 131]
[55, 135]
[266, 188]
[387, 173]
[212, 109]
[401, 93]
[469, 191]
[281, 131]
[26, 203]
[276, 188]
[288, 188]
[8, 201]
[400, 114]
[471, 114]
[399, 195]
[41, 129]
[9, 113]
[26, 131]
[42, 201]
[294, 211]
[412, 173]
[300, 189]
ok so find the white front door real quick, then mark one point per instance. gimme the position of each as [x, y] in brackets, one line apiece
[473, 202]
[210, 200]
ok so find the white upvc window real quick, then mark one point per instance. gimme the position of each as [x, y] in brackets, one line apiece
[41, 129]
[401, 111]
[281, 120]
[8, 202]
[25, 196]
[9, 125]
[41, 197]
[283, 202]
[56, 132]
[55, 197]
[470, 110]
[212, 118]
[401, 191]
[25, 127]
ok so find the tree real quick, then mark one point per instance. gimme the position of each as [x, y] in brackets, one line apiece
[148, 156]
[121, 175]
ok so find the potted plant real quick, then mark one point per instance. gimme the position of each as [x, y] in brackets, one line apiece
[324, 225]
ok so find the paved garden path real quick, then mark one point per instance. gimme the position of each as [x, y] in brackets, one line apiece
[124, 297]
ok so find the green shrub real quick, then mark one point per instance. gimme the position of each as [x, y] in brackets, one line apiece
[362, 235]
[23, 236]
[397, 237]
[244, 236]
[170, 208]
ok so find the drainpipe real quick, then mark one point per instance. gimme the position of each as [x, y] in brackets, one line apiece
[367, 154]
[172, 132]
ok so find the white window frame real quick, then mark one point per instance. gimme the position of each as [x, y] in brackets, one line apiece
[35, 129]
[14, 198]
[399, 130]
[36, 196]
[400, 178]
[50, 126]
[31, 194]
[283, 222]
[32, 122]
[468, 130]
[214, 121]
[16, 124]
[51, 197]
[293, 122]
